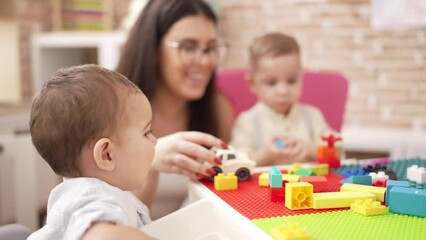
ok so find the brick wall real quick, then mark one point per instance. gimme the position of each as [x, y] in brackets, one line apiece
[386, 70]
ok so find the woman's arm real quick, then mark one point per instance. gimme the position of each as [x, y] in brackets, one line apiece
[226, 116]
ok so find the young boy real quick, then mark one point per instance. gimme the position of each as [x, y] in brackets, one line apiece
[93, 127]
[278, 129]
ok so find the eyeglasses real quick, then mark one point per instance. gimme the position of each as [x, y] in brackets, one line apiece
[190, 52]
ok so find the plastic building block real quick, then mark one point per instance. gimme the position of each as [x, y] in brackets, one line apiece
[368, 207]
[264, 179]
[277, 194]
[253, 201]
[363, 180]
[416, 174]
[380, 176]
[379, 192]
[279, 142]
[291, 178]
[391, 174]
[228, 182]
[410, 201]
[328, 154]
[320, 169]
[319, 182]
[298, 195]
[393, 183]
[289, 232]
[350, 225]
[375, 168]
[339, 199]
[275, 178]
[294, 168]
[304, 172]
[353, 172]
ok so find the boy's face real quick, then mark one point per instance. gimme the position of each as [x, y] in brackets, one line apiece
[277, 81]
[136, 143]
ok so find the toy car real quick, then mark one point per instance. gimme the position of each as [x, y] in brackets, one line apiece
[234, 162]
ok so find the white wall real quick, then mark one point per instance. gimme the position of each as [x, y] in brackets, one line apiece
[10, 84]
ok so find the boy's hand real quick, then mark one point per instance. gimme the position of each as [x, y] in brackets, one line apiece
[275, 154]
[185, 153]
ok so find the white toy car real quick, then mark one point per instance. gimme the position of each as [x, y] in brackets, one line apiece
[234, 162]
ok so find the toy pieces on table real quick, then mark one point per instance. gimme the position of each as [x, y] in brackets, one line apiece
[375, 168]
[320, 169]
[319, 182]
[353, 172]
[368, 207]
[298, 195]
[228, 182]
[379, 179]
[363, 180]
[233, 162]
[410, 201]
[289, 232]
[275, 178]
[277, 194]
[328, 154]
[416, 174]
[392, 183]
[327, 200]
[379, 192]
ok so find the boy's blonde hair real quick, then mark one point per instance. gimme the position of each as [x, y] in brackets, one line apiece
[272, 44]
[77, 104]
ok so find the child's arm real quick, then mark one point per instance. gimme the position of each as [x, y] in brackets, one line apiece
[106, 231]
[295, 151]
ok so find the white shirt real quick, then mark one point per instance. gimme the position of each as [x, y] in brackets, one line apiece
[77, 203]
[259, 125]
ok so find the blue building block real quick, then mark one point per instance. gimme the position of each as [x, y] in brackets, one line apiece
[392, 183]
[410, 201]
[275, 178]
[353, 172]
[364, 180]
[280, 143]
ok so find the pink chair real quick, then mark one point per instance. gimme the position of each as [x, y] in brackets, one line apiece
[325, 90]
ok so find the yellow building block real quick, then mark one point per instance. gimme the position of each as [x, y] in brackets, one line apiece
[378, 191]
[320, 169]
[339, 199]
[368, 207]
[228, 182]
[298, 195]
[291, 178]
[294, 168]
[264, 179]
[289, 232]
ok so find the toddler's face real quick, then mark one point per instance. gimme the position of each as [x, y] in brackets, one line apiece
[277, 81]
[136, 145]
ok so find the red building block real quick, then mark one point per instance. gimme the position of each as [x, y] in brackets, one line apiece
[319, 182]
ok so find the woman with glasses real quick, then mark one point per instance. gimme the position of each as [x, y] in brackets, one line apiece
[172, 53]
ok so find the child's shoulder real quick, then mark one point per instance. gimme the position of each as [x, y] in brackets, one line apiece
[305, 107]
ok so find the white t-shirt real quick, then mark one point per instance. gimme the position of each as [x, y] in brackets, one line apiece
[257, 126]
[77, 203]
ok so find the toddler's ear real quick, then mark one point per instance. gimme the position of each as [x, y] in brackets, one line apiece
[102, 154]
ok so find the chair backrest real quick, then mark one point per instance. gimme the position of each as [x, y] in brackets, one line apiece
[325, 90]
[14, 232]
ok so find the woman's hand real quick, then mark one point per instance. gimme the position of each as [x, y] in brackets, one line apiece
[185, 153]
